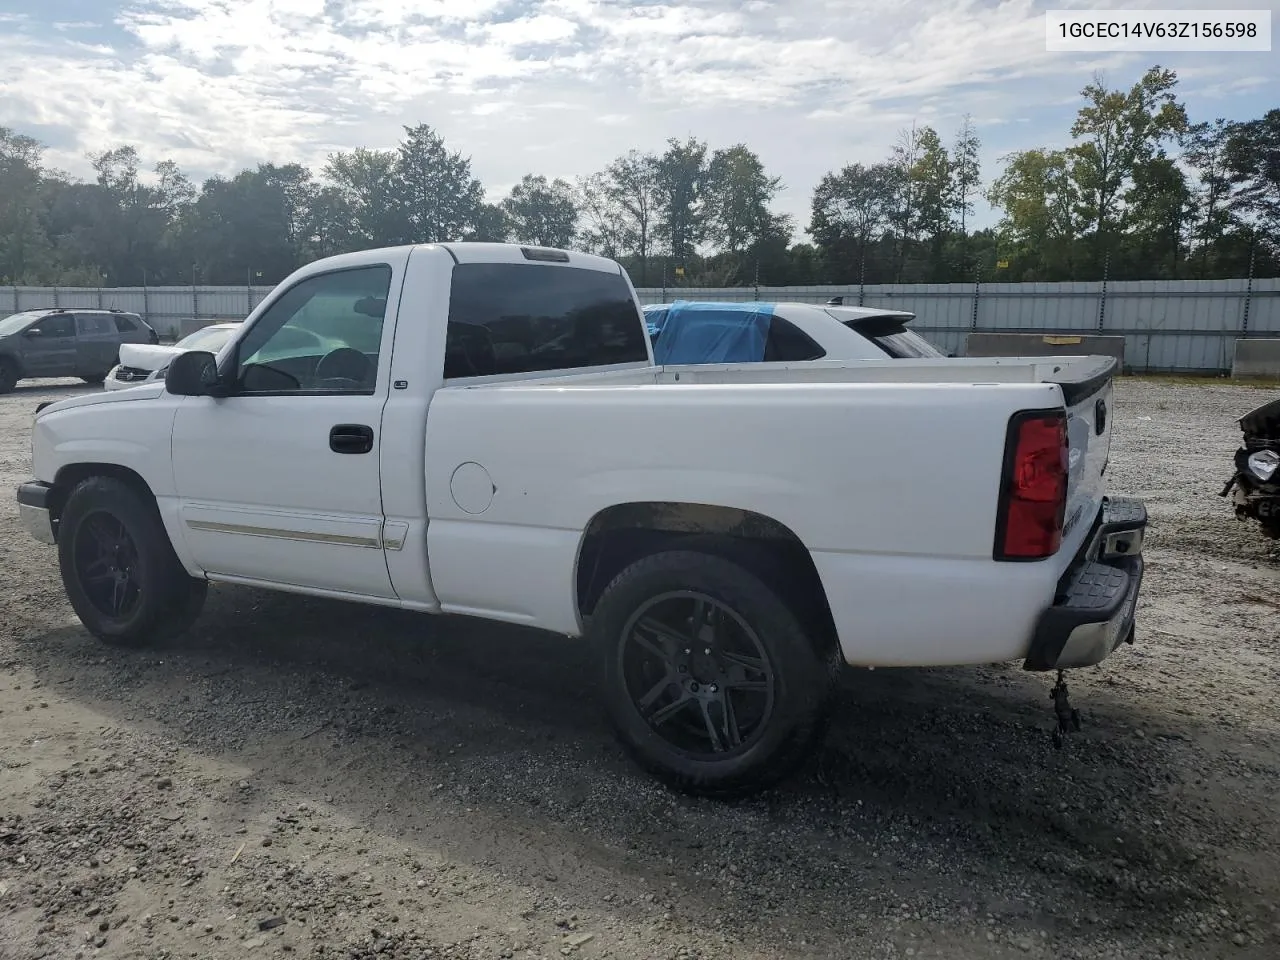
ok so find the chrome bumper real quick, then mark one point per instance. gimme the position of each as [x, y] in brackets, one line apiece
[33, 511]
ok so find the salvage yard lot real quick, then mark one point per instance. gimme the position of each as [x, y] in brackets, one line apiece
[396, 786]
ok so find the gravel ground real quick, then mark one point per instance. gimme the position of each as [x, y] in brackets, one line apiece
[307, 778]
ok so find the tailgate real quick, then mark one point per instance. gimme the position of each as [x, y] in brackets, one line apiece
[1087, 389]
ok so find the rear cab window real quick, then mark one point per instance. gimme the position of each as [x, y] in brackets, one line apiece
[514, 318]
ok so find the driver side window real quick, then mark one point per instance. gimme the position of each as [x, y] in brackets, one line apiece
[321, 336]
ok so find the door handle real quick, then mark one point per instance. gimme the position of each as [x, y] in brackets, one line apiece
[351, 438]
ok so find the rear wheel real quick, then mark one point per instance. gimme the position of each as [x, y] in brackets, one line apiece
[8, 374]
[121, 575]
[708, 677]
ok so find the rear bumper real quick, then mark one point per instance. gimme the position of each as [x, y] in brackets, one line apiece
[34, 511]
[1093, 611]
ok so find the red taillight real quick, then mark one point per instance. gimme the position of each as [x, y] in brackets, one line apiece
[1033, 498]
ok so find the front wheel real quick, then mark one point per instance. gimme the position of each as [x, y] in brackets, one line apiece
[94, 379]
[121, 575]
[708, 677]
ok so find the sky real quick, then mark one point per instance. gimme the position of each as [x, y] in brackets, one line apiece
[561, 87]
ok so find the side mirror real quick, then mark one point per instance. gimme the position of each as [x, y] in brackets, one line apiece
[193, 374]
[33, 332]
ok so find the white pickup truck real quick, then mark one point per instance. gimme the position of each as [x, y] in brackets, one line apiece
[486, 434]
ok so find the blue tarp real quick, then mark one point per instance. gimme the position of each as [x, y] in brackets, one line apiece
[655, 315]
[696, 332]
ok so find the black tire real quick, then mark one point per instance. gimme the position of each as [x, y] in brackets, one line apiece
[96, 379]
[8, 375]
[791, 688]
[157, 599]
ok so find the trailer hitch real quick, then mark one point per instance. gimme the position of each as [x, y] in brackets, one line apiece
[1068, 716]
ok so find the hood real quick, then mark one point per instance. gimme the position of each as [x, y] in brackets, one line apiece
[143, 391]
[148, 356]
[1264, 422]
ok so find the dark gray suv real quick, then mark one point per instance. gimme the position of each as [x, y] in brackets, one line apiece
[66, 343]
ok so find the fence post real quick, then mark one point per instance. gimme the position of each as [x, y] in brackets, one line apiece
[1102, 300]
[15, 298]
[862, 274]
[99, 298]
[1248, 289]
[977, 295]
[55, 298]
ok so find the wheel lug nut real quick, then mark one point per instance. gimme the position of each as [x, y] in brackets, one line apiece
[683, 668]
[714, 688]
[693, 687]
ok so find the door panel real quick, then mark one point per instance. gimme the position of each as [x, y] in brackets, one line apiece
[97, 344]
[53, 353]
[264, 496]
[280, 481]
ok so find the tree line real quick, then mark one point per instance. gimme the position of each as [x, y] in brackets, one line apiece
[1140, 192]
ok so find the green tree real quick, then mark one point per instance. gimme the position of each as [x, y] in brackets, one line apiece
[541, 212]
[492, 225]
[365, 185]
[1159, 208]
[1253, 160]
[935, 191]
[680, 177]
[25, 251]
[436, 197]
[1040, 225]
[738, 195]
[630, 188]
[1204, 149]
[850, 212]
[967, 173]
[1116, 131]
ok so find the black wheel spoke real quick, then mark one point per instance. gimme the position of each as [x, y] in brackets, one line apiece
[658, 690]
[731, 732]
[699, 620]
[659, 717]
[750, 663]
[102, 538]
[670, 640]
[712, 733]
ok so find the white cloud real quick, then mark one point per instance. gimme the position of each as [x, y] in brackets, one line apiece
[558, 87]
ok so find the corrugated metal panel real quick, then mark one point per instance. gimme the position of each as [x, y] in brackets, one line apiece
[1167, 324]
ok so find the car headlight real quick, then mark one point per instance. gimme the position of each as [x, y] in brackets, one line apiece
[1264, 464]
[159, 374]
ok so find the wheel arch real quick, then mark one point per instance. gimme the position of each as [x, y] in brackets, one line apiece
[71, 475]
[624, 533]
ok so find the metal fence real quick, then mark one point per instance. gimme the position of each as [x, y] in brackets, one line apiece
[1168, 325]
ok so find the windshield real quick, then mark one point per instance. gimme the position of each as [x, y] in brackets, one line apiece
[210, 339]
[14, 323]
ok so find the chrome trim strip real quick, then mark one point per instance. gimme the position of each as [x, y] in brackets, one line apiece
[213, 526]
[394, 534]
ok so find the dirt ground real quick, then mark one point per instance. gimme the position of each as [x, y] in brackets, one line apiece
[307, 778]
